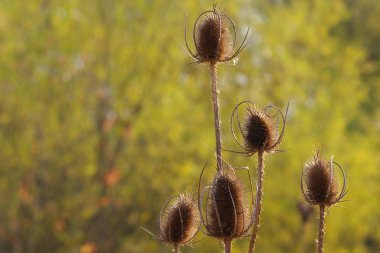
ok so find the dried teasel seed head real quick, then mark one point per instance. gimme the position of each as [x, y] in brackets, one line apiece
[258, 129]
[227, 214]
[213, 39]
[258, 132]
[178, 223]
[321, 182]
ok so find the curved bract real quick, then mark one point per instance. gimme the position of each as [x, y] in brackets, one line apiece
[178, 223]
[226, 214]
[212, 38]
[258, 129]
[319, 182]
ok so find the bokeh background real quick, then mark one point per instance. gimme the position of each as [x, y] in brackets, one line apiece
[103, 118]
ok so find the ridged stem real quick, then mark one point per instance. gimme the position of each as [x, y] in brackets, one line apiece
[176, 248]
[215, 105]
[321, 234]
[227, 245]
[259, 195]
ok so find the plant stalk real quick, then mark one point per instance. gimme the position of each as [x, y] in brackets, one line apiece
[227, 245]
[215, 105]
[176, 248]
[321, 234]
[259, 195]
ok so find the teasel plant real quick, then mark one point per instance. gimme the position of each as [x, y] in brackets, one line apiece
[179, 222]
[226, 215]
[320, 187]
[214, 38]
[260, 135]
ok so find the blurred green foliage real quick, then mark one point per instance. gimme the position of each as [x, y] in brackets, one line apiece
[103, 118]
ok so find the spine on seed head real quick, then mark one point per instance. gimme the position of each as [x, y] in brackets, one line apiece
[320, 181]
[228, 217]
[258, 132]
[179, 221]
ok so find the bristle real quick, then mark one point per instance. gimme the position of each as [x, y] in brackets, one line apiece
[321, 183]
[213, 39]
[227, 213]
[180, 221]
[258, 132]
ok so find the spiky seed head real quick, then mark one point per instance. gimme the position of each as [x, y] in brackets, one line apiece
[321, 182]
[227, 214]
[258, 132]
[212, 38]
[179, 222]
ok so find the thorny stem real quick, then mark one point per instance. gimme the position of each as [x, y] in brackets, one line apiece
[215, 105]
[259, 195]
[227, 246]
[321, 234]
[176, 248]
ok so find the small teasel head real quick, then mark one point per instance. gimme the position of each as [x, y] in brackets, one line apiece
[214, 36]
[319, 181]
[259, 129]
[226, 214]
[179, 221]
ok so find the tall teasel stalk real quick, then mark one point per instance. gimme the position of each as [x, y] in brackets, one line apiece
[259, 134]
[215, 44]
[319, 186]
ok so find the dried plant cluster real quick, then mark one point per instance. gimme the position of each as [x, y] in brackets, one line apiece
[319, 186]
[227, 214]
[224, 210]
[321, 182]
[212, 37]
[258, 132]
[178, 223]
[259, 128]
